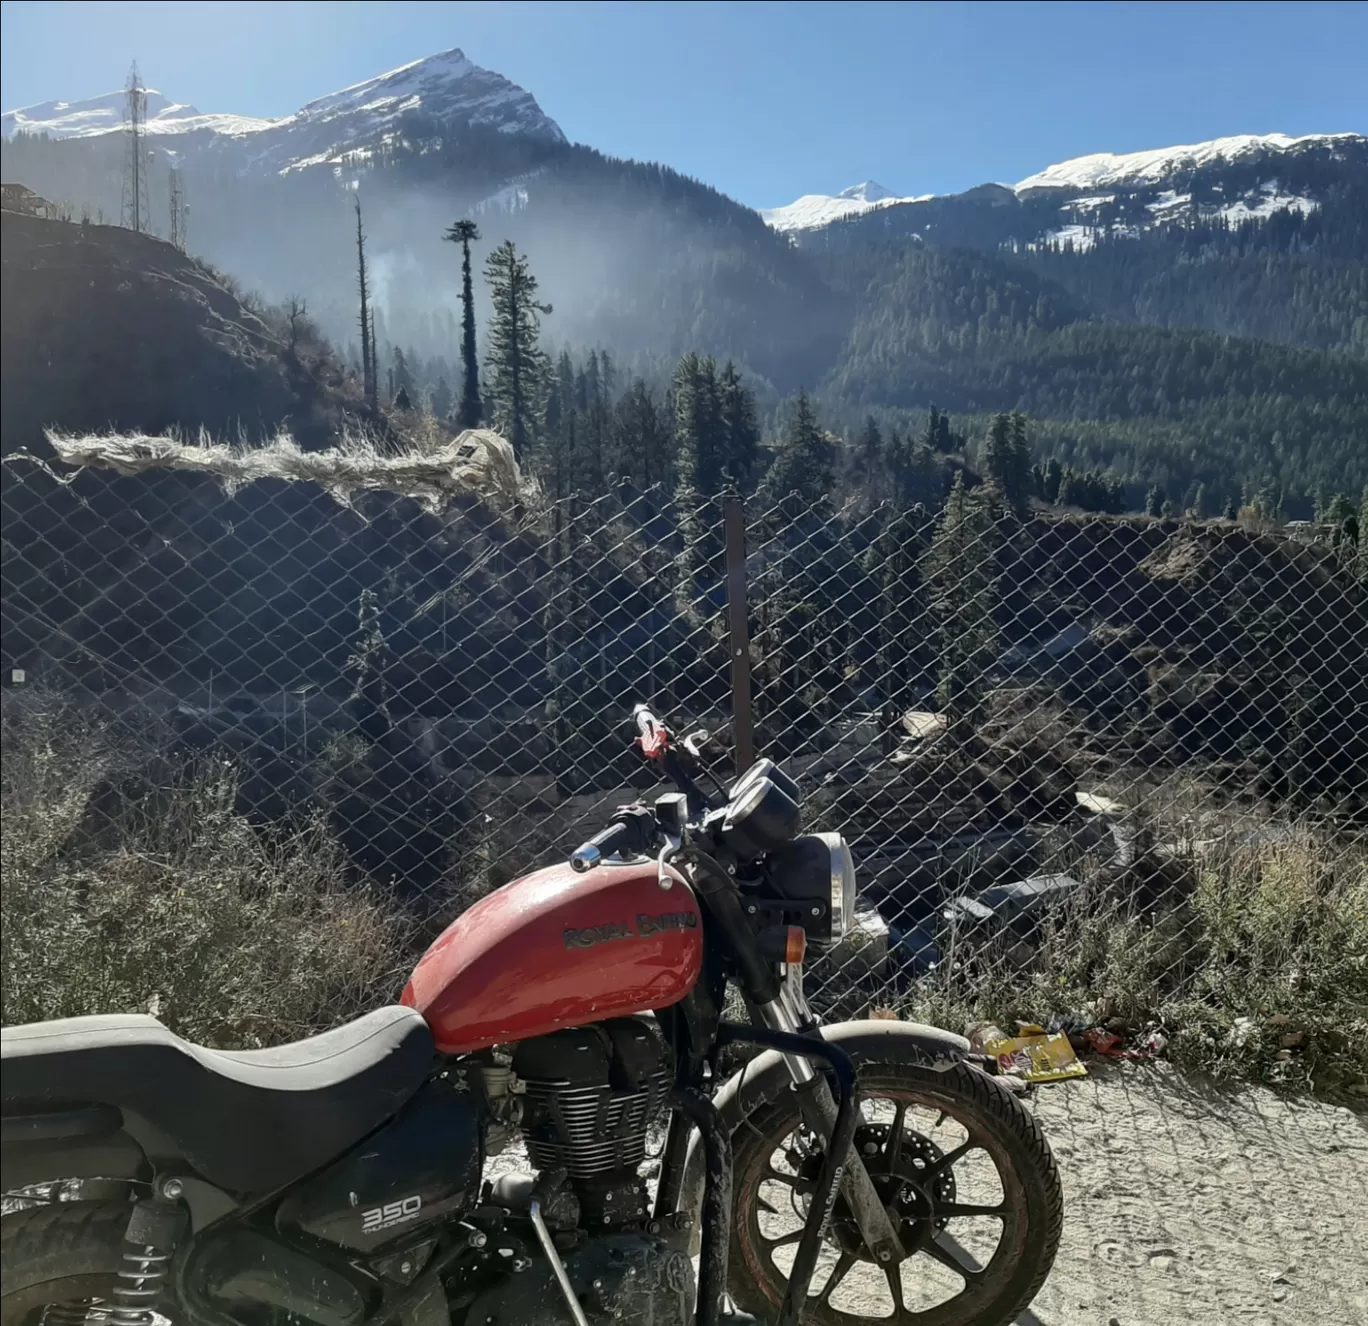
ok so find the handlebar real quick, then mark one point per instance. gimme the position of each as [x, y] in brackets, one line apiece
[635, 828]
[600, 845]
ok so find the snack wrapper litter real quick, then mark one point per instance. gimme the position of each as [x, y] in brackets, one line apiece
[1038, 1056]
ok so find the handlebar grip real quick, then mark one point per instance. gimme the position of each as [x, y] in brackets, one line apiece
[600, 845]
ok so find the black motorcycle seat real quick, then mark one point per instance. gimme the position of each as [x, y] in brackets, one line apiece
[249, 1121]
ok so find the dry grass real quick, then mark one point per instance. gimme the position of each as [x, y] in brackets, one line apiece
[1262, 972]
[431, 469]
[168, 901]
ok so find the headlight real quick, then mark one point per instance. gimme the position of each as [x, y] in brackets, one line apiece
[818, 869]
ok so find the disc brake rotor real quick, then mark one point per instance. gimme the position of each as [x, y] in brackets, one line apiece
[898, 1175]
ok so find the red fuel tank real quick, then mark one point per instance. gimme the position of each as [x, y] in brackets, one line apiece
[559, 949]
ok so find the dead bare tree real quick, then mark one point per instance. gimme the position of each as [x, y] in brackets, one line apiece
[368, 366]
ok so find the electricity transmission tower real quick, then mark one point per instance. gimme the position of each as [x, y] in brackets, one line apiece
[179, 211]
[135, 210]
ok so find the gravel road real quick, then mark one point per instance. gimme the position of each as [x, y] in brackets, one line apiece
[1188, 1202]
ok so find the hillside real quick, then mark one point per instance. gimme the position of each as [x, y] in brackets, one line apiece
[979, 333]
[103, 328]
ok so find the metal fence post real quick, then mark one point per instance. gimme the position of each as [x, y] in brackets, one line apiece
[734, 521]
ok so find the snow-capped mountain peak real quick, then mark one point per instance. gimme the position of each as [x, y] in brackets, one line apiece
[446, 88]
[868, 192]
[105, 114]
[1108, 169]
[814, 210]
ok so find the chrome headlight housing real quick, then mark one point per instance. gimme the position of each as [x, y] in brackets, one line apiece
[817, 869]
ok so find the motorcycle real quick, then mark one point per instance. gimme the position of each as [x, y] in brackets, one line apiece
[372, 1174]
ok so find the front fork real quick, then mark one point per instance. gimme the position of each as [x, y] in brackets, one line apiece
[790, 1012]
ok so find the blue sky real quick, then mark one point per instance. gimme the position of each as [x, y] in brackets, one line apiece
[764, 101]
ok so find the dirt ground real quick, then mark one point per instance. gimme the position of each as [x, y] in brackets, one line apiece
[1188, 1202]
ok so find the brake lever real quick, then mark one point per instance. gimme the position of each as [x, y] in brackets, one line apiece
[667, 855]
[694, 740]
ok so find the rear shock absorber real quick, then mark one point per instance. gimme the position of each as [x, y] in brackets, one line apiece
[150, 1241]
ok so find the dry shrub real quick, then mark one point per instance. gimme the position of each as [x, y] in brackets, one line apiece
[234, 937]
[1262, 972]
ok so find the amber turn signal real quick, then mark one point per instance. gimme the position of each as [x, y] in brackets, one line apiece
[796, 946]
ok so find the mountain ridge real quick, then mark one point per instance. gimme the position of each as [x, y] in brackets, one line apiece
[1100, 170]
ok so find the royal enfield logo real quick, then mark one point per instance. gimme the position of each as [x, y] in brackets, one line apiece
[652, 925]
[597, 934]
[643, 925]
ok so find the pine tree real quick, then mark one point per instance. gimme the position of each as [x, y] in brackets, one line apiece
[961, 575]
[591, 399]
[559, 458]
[897, 463]
[1007, 460]
[442, 400]
[804, 463]
[1232, 510]
[641, 441]
[1268, 503]
[740, 431]
[936, 431]
[1154, 501]
[699, 437]
[403, 375]
[1054, 477]
[893, 564]
[1199, 502]
[471, 412]
[517, 365]
[871, 444]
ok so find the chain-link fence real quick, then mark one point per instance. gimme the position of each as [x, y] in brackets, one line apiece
[264, 737]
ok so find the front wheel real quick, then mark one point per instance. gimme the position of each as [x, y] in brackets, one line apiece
[960, 1164]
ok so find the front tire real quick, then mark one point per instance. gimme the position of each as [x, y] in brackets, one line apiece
[955, 1156]
[66, 1254]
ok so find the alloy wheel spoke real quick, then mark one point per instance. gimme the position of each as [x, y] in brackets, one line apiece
[938, 1251]
[893, 1274]
[948, 1160]
[782, 1240]
[956, 1210]
[838, 1273]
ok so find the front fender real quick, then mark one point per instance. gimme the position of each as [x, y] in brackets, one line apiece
[766, 1077]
